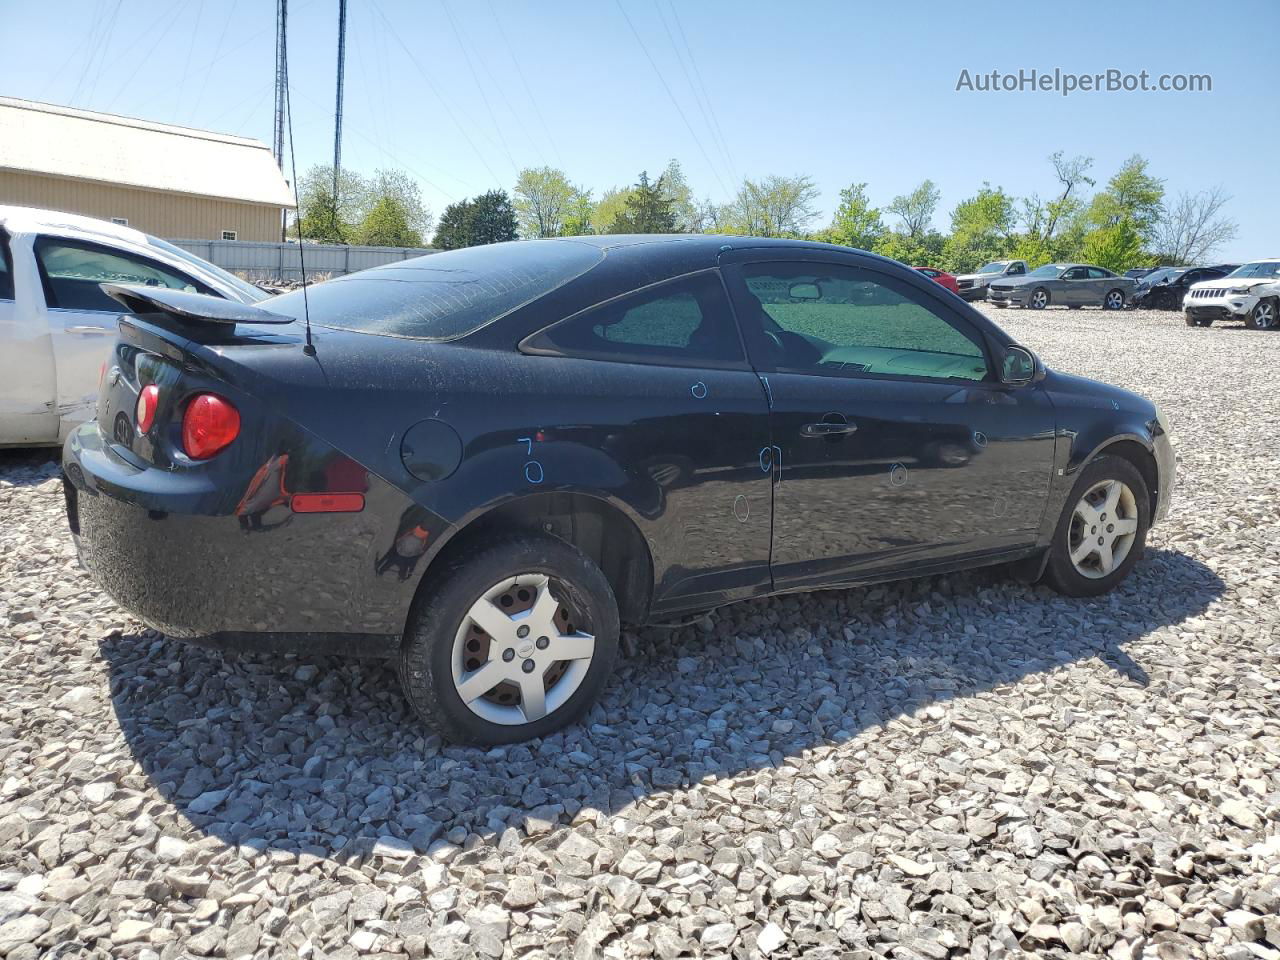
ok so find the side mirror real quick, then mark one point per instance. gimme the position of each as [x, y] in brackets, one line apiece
[1019, 366]
[804, 291]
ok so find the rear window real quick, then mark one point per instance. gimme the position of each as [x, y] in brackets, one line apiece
[442, 296]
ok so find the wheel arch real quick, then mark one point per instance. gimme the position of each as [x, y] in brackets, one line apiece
[1139, 454]
[601, 529]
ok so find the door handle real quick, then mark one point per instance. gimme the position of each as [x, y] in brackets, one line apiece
[828, 428]
[87, 329]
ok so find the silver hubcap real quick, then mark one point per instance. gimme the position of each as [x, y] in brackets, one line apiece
[518, 655]
[1115, 300]
[1104, 526]
[1039, 299]
[1264, 315]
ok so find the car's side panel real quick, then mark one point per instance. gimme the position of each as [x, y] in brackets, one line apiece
[28, 381]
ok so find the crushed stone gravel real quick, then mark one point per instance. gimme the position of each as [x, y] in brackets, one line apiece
[954, 766]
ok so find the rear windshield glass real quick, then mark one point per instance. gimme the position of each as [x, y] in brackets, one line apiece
[442, 296]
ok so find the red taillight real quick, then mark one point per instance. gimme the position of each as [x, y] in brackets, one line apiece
[208, 426]
[145, 412]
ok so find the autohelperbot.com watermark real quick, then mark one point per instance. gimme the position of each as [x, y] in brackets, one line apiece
[1065, 82]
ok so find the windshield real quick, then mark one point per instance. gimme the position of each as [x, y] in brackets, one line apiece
[442, 296]
[1048, 270]
[1163, 274]
[248, 291]
[997, 267]
[1265, 269]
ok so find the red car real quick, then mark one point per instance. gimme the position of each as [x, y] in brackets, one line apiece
[946, 279]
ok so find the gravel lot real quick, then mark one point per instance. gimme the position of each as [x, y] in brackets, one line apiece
[957, 766]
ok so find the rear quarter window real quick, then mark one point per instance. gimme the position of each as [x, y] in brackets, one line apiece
[442, 296]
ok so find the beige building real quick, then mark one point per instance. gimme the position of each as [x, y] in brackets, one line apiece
[173, 182]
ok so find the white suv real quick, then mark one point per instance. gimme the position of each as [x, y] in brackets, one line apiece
[1250, 293]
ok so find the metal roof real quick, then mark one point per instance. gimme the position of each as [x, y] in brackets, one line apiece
[64, 142]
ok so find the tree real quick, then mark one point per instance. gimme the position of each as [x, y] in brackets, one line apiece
[544, 197]
[647, 211]
[578, 221]
[920, 251]
[611, 203]
[1191, 228]
[320, 219]
[916, 208]
[326, 218]
[387, 225]
[1117, 246]
[1133, 195]
[675, 188]
[398, 186]
[856, 222]
[489, 218]
[982, 229]
[773, 207]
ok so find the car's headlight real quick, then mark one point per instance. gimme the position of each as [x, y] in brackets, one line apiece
[1162, 419]
[1237, 291]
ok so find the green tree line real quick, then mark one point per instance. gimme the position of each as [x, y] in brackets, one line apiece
[1127, 221]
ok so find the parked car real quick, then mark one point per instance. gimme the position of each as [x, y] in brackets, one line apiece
[940, 276]
[973, 286]
[480, 462]
[56, 324]
[1071, 285]
[1166, 288]
[1250, 293]
[1137, 273]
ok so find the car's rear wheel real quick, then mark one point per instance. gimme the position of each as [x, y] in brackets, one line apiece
[1263, 316]
[1114, 300]
[1039, 299]
[1102, 531]
[515, 640]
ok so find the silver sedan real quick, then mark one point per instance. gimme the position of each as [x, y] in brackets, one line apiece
[1071, 285]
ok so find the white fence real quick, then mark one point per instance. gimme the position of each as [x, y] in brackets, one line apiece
[280, 262]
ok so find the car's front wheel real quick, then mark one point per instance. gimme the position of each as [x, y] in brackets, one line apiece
[1039, 299]
[514, 640]
[1102, 530]
[1114, 300]
[1263, 316]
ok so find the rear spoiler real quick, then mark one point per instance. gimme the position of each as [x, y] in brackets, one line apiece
[185, 307]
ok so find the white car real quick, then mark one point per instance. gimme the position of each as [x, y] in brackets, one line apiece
[56, 324]
[1250, 292]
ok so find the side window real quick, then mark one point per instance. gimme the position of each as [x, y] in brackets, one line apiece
[1017, 270]
[72, 270]
[846, 321]
[1097, 273]
[6, 268]
[1075, 273]
[685, 322]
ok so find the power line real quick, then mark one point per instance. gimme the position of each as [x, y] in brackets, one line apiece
[434, 89]
[674, 102]
[222, 35]
[95, 27]
[542, 122]
[502, 140]
[713, 124]
[145, 59]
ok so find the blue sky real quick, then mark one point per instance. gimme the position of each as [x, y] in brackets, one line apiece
[843, 92]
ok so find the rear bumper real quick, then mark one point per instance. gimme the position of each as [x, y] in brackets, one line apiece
[162, 544]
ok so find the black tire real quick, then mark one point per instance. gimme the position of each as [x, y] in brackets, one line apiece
[1060, 572]
[426, 664]
[1191, 321]
[1111, 303]
[1039, 304]
[1265, 315]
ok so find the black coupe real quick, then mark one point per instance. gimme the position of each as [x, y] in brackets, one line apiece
[482, 462]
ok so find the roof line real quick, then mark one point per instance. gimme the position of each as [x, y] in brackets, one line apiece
[121, 120]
